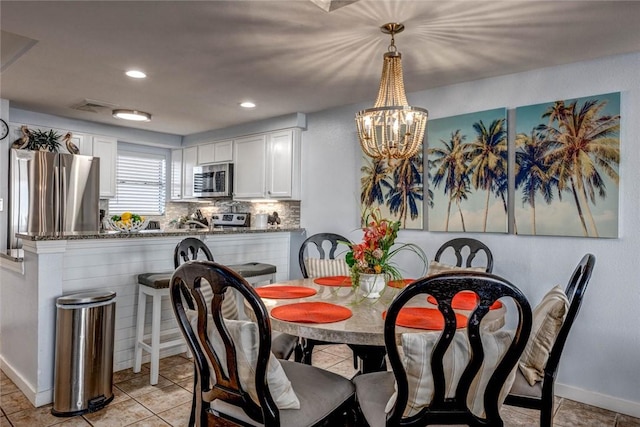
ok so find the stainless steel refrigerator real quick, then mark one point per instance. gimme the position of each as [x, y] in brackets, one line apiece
[52, 193]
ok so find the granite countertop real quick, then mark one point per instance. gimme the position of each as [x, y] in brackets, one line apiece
[150, 233]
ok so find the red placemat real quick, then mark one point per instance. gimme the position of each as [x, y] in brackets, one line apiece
[465, 300]
[311, 312]
[400, 284]
[425, 318]
[285, 292]
[333, 281]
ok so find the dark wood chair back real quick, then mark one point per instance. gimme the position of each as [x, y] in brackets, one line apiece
[190, 277]
[474, 246]
[454, 410]
[319, 241]
[575, 292]
[189, 249]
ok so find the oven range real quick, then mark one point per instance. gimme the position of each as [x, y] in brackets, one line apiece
[231, 220]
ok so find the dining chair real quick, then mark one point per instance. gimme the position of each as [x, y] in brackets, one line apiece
[540, 396]
[451, 376]
[156, 285]
[458, 245]
[237, 379]
[324, 246]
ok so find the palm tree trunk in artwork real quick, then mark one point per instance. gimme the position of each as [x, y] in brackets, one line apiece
[533, 213]
[461, 216]
[506, 212]
[575, 198]
[486, 211]
[446, 223]
[587, 208]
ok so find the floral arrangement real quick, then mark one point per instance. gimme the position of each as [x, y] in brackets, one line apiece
[374, 255]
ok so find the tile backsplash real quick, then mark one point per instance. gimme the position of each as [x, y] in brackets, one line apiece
[289, 212]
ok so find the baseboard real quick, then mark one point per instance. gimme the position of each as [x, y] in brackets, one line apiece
[593, 398]
[25, 387]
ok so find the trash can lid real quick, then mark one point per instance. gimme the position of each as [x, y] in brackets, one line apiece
[89, 297]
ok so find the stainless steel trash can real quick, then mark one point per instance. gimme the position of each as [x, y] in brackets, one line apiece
[83, 379]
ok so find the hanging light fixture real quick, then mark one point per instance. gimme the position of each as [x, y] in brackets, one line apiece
[391, 129]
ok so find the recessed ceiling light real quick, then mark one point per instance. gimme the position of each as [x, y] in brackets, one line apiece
[138, 116]
[136, 74]
[247, 104]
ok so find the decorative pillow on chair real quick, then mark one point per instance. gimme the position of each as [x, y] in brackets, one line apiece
[417, 348]
[317, 267]
[548, 317]
[245, 336]
[436, 267]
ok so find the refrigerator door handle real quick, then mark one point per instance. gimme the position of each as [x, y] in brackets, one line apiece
[62, 198]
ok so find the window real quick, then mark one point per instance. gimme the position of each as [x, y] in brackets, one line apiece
[140, 184]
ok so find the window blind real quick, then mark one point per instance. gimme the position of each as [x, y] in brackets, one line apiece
[140, 184]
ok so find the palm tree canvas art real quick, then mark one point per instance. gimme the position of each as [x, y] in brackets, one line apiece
[395, 186]
[468, 172]
[567, 161]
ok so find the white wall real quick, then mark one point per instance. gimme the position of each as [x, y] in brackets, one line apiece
[600, 364]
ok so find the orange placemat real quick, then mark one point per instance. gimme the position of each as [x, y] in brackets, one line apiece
[400, 284]
[285, 292]
[465, 300]
[333, 281]
[311, 312]
[425, 318]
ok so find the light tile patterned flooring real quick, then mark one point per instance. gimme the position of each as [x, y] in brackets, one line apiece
[136, 403]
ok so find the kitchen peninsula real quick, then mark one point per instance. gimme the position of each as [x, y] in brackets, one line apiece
[53, 265]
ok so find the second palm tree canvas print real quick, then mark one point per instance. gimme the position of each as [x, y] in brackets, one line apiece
[467, 172]
[567, 161]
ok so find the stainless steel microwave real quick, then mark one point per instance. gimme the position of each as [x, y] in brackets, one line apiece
[213, 180]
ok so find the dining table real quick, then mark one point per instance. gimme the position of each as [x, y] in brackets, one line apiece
[330, 309]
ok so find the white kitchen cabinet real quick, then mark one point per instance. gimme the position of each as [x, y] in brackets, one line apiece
[249, 170]
[175, 192]
[267, 166]
[182, 162]
[106, 148]
[82, 141]
[215, 152]
[189, 160]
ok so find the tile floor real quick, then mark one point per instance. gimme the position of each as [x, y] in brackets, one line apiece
[136, 403]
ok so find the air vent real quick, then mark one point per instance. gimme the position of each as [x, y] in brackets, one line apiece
[93, 106]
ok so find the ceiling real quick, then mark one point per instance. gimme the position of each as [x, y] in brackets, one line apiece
[204, 57]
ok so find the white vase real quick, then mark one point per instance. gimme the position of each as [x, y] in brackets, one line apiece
[372, 284]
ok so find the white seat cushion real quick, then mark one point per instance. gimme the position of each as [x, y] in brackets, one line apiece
[245, 337]
[548, 317]
[317, 267]
[436, 267]
[417, 348]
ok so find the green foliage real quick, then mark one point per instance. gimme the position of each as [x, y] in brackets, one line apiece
[43, 140]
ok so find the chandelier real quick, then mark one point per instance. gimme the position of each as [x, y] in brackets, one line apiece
[391, 129]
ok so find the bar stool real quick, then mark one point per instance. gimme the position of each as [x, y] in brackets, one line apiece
[156, 285]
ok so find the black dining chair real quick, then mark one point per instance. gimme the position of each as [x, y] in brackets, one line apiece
[324, 246]
[414, 405]
[474, 246]
[242, 384]
[540, 395]
[190, 249]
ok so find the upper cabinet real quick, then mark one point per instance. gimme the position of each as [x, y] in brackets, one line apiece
[189, 160]
[106, 148]
[267, 166]
[215, 152]
[175, 192]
